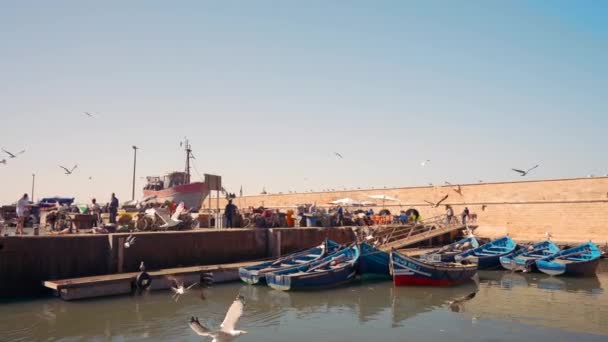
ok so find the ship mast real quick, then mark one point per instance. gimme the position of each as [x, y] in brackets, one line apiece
[188, 149]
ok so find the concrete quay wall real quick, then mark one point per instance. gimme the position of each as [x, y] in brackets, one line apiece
[572, 210]
[27, 261]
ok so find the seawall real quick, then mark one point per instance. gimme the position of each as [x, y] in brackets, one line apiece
[572, 210]
[27, 261]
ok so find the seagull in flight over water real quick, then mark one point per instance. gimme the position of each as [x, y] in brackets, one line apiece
[68, 171]
[89, 115]
[3, 161]
[179, 288]
[425, 163]
[524, 173]
[13, 155]
[227, 332]
[338, 155]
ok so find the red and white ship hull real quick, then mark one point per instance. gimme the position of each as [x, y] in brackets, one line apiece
[191, 194]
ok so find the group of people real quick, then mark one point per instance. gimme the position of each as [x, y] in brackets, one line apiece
[451, 218]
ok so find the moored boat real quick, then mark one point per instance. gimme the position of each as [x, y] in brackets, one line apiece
[333, 270]
[412, 271]
[582, 260]
[256, 274]
[373, 262]
[488, 256]
[524, 259]
[448, 252]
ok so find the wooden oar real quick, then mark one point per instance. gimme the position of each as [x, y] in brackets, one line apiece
[338, 258]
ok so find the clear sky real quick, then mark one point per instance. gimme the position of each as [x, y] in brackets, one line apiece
[268, 90]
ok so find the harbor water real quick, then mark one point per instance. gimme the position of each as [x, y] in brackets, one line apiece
[506, 307]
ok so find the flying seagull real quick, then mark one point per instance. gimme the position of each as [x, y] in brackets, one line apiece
[13, 155]
[524, 173]
[89, 114]
[227, 331]
[457, 189]
[425, 163]
[3, 161]
[179, 288]
[68, 171]
[130, 241]
[435, 205]
[338, 155]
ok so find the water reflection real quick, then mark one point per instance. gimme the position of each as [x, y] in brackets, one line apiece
[573, 304]
[506, 279]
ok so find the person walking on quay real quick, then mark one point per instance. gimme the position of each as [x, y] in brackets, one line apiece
[465, 215]
[113, 208]
[22, 205]
[230, 212]
[340, 216]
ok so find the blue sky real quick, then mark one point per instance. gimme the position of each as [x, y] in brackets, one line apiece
[268, 90]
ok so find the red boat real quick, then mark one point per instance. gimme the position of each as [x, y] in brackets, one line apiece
[176, 186]
[411, 271]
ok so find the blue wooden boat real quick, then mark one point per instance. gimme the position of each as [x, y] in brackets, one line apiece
[488, 256]
[413, 271]
[373, 262]
[448, 252]
[524, 259]
[333, 270]
[578, 261]
[256, 274]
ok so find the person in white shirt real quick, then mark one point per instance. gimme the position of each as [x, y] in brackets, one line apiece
[95, 211]
[22, 205]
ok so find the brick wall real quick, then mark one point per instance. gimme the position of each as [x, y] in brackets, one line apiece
[572, 210]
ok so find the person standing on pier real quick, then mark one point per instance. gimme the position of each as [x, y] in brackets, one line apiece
[113, 208]
[22, 205]
[465, 215]
[449, 213]
[230, 212]
[96, 212]
[340, 216]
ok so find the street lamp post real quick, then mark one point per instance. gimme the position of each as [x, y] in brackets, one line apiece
[135, 148]
[33, 185]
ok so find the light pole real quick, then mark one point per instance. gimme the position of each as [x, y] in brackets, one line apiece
[33, 185]
[135, 148]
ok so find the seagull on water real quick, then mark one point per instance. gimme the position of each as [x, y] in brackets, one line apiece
[130, 241]
[13, 155]
[68, 171]
[525, 173]
[227, 331]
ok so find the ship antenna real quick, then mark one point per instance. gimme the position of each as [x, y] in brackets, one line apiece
[188, 156]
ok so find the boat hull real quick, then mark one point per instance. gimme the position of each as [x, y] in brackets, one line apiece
[409, 271]
[575, 269]
[312, 281]
[256, 274]
[373, 262]
[191, 194]
[330, 271]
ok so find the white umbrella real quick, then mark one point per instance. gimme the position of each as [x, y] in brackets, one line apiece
[384, 198]
[346, 201]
